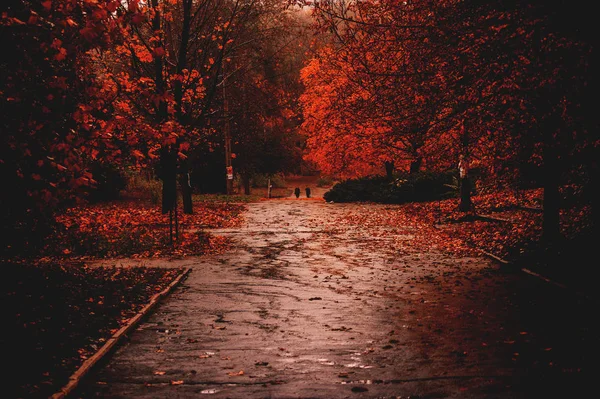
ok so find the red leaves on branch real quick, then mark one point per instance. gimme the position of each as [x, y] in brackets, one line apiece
[425, 82]
[55, 104]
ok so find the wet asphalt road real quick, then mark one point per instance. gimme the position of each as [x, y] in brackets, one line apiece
[305, 306]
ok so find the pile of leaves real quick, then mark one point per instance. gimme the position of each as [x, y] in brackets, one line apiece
[140, 230]
[58, 315]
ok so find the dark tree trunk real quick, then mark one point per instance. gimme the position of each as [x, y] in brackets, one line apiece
[184, 178]
[465, 195]
[415, 165]
[168, 157]
[186, 188]
[389, 169]
[551, 223]
[182, 57]
[594, 185]
[246, 181]
[168, 174]
[466, 204]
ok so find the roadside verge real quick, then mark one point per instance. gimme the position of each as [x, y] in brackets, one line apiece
[525, 270]
[85, 368]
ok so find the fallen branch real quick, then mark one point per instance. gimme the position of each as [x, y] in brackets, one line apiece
[530, 208]
[493, 218]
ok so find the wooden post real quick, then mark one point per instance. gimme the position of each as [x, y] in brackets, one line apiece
[176, 224]
[227, 132]
[170, 226]
[269, 188]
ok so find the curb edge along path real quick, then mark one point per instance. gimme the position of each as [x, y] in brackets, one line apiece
[525, 270]
[106, 349]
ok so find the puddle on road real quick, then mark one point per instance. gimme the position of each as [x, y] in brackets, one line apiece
[326, 362]
[364, 382]
[358, 365]
[209, 391]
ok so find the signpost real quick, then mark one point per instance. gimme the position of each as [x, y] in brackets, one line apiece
[269, 186]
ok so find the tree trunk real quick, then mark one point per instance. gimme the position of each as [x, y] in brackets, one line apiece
[186, 188]
[168, 163]
[168, 160]
[182, 58]
[184, 178]
[389, 169]
[246, 181]
[550, 223]
[466, 204]
[595, 196]
[465, 195]
[415, 165]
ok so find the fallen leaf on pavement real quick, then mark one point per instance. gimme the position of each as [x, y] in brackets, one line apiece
[218, 327]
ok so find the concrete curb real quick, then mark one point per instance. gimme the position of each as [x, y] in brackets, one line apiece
[494, 257]
[76, 377]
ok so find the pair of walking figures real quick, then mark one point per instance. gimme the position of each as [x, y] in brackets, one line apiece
[297, 192]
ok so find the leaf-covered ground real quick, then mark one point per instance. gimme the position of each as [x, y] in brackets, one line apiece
[140, 230]
[506, 225]
[58, 311]
[55, 316]
[510, 228]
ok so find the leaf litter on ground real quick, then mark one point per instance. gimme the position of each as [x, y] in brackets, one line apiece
[63, 310]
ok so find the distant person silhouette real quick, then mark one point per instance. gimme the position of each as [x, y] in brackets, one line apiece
[297, 192]
[307, 192]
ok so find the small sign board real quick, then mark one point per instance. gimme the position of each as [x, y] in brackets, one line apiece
[229, 172]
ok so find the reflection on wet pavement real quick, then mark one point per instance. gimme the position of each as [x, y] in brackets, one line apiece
[309, 305]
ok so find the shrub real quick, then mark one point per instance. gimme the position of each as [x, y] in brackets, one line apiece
[416, 187]
[144, 186]
[110, 182]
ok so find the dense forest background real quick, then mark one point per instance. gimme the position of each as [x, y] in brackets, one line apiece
[500, 93]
